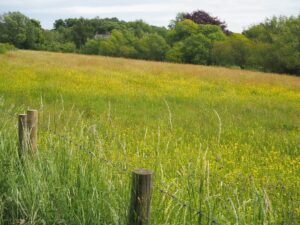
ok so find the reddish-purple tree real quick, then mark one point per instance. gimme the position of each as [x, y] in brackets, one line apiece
[202, 17]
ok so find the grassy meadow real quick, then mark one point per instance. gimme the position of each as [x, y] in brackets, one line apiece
[225, 141]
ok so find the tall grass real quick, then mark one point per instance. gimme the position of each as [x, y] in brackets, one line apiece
[228, 146]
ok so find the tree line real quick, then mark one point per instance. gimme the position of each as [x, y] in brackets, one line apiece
[197, 38]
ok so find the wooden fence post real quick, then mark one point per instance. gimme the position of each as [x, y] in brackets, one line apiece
[32, 125]
[141, 194]
[23, 136]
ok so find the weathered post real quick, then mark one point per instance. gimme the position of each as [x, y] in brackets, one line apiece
[32, 125]
[141, 193]
[23, 137]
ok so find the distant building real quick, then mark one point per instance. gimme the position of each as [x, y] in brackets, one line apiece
[102, 36]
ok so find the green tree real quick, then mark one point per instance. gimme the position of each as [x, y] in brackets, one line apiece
[234, 51]
[92, 47]
[111, 46]
[139, 28]
[21, 31]
[287, 44]
[278, 38]
[182, 30]
[192, 43]
[175, 54]
[222, 53]
[59, 23]
[121, 43]
[262, 56]
[212, 32]
[196, 49]
[82, 30]
[153, 47]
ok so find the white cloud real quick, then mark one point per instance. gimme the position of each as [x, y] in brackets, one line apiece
[139, 8]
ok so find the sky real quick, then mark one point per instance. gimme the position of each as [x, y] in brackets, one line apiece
[238, 14]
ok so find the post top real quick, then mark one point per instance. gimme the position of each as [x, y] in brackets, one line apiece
[22, 115]
[143, 172]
